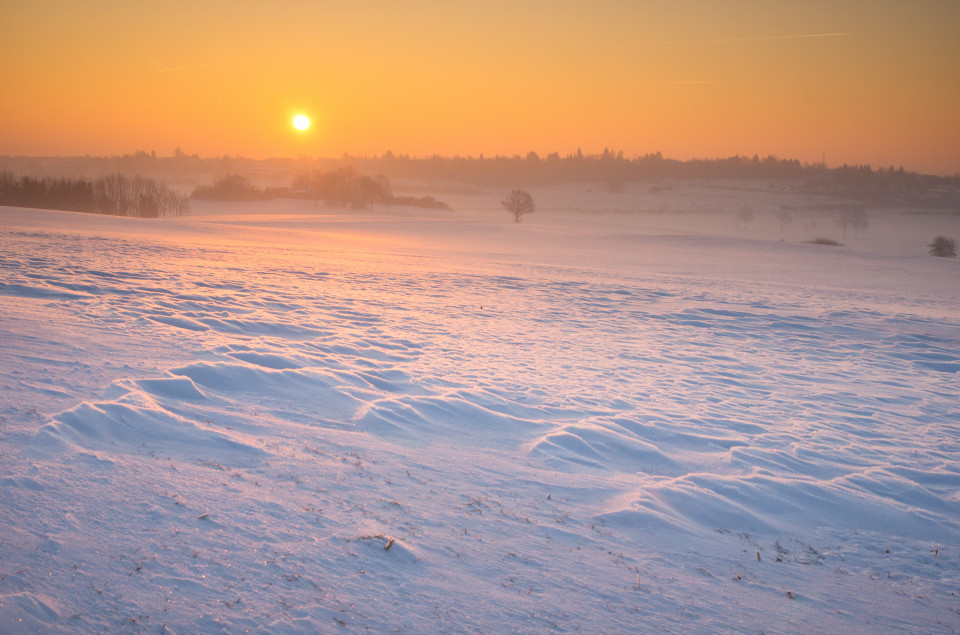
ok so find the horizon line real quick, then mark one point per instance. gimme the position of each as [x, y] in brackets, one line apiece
[346, 156]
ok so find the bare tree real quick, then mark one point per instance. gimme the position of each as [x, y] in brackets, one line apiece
[309, 183]
[785, 218]
[113, 194]
[943, 247]
[745, 215]
[860, 221]
[518, 204]
[853, 216]
[383, 190]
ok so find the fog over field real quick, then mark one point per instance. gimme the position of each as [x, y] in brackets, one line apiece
[639, 409]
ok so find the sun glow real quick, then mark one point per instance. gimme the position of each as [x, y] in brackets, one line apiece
[301, 122]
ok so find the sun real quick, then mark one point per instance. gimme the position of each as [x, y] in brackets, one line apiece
[301, 122]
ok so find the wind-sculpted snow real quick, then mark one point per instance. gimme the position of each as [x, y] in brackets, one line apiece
[139, 422]
[827, 410]
[209, 431]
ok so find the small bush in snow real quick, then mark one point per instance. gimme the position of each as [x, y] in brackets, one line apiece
[824, 241]
[943, 247]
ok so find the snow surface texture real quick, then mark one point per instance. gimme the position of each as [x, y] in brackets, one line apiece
[623, 414]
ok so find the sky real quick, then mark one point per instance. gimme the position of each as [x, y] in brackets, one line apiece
[848, 81]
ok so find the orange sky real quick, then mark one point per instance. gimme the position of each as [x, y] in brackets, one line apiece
[863, 81]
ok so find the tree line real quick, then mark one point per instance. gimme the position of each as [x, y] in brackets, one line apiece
[859, 182]
[608, 166]
[114, 194]
[878, 186]
[343, 187]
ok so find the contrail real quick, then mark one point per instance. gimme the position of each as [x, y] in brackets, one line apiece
[175, 71]
[167, 69]
[163, 69]
[745, 39]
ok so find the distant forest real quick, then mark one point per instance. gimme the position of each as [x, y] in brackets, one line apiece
[114, 194]
[879, 186]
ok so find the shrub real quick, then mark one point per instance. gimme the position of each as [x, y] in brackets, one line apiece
[427, 202]
[943, 247]
[825, 241]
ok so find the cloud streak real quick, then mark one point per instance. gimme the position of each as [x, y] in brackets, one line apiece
[746, 39]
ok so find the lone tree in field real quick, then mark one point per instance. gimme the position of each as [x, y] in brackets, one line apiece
[518, 204]
[943, 247]
[853, 216]
[784, 217]
[745, 215]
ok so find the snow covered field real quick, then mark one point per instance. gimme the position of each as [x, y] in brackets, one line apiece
[624, 414]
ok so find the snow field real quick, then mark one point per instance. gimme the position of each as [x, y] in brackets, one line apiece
[310, 421]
